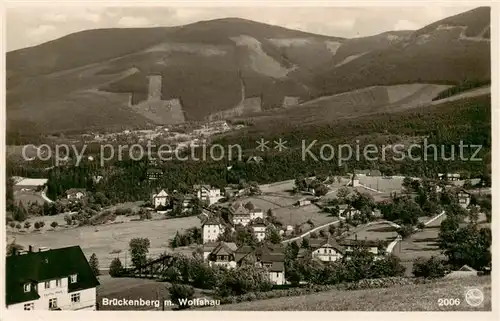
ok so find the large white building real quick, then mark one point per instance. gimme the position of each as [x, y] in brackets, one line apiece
[212, 229]
[43, 279]
[208, 194]
[244, 214]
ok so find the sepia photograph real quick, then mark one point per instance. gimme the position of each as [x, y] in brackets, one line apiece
[248, 158]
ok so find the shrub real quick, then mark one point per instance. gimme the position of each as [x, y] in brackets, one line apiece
[27, 225]
[42, 224]
[12, 224]
[54, 224]
[18, 226]
[431, 268]
[179, 293]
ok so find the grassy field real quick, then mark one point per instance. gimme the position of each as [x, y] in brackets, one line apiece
[105, 239]
[386, 185]
[28, 197]
[382, 231]
[131, 289]
[422, 297]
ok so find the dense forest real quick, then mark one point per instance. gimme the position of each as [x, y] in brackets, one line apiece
[468, 121]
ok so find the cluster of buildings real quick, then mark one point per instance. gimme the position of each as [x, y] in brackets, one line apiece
[207, 194]
[50, 279]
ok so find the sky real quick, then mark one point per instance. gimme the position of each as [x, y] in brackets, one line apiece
[29, 26]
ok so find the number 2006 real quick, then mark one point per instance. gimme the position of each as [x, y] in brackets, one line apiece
[448, 302]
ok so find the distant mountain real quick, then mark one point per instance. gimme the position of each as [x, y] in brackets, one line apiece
[223, 68]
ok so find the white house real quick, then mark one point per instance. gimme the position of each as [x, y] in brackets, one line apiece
[244, 214]
[58, 279]
[212, 229]
[160, 199]
[464, 198]
[449, 176]
[326, 250]
[372, 246]
[303, 202]
[277, 273]
[75, 193]
[259, 229]
[208, 194]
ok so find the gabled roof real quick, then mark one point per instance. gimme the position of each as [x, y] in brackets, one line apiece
[75, 190]
[467, 268]
[315, 244]
[225, 248]
[210, 246]
[161, 193]
[37, 267]
[277, 267]
[213, 220]
[238, 209]
[200, 186]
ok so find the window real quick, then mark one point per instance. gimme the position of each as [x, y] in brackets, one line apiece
[73, 278]
[27, 287]
[75, 298]
[29, 306]
[53, 303]
[58, 282]
[47, 284]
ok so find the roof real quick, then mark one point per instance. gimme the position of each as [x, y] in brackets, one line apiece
[238, 208]
[210, 246]
[225, 248]
[319, 243]
[213, 220]
[350, 242]
[47, 265]
[277, 267]
[75, 190]
[198, 186]
[467, 268]
[32, 182]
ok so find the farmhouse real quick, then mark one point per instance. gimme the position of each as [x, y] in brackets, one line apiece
[464, 198]
[58, 279]
[30, 184]
[76, 194]
[207, 194]
[326, 250]
[160, 199]
[212, 229]
[223, 255]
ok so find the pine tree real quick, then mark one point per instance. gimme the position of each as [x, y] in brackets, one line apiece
[94, 264]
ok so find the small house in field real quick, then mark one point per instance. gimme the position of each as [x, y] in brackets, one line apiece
[303, 202]
[76, 194]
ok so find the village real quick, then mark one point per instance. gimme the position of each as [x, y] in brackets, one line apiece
[327, 219]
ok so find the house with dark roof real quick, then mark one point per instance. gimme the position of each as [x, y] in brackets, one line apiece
[45, 279]
[212, 229]
[259, 229]
[373, 246]
[464, 198]
[326, 250]
[223, 255]
[268, 256]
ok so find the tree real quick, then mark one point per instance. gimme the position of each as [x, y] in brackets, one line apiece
[305, 243]
[115, 268]
[270, 213]
[321, 190]
[331, 229]
[181, 294]
[139, 248]
[12, 225]
[94, 264]
[54, 224]
[431, 268]
[273, 236]
[342, 194]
